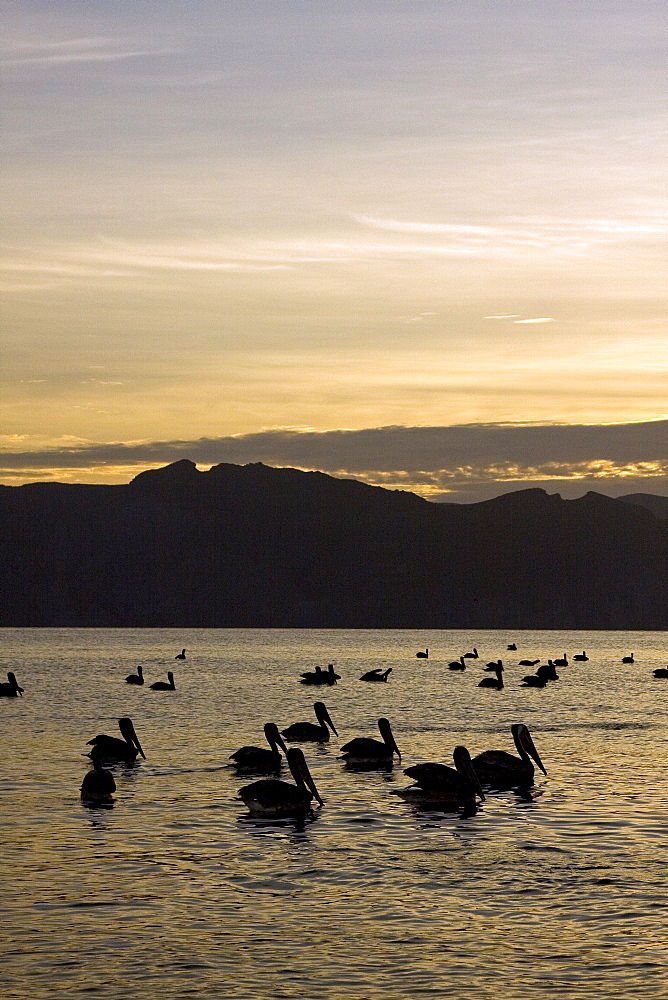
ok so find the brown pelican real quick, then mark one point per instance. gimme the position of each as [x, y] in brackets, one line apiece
[376, 675]
[561, 661]
[363, 750]
[98, 784]
[137, 678]
[181, 655]
[582, 657]
[548, 671]
[457, 664]
[439, 786]
[528, 663]
[307, 732]
[471, 656]
[534, 681]
[511, 645]
[628, 659]
[10, 688]
[503, 770]
[661, 672]
[110, 748]
[493, 682]
[423, 655]
[492, 665]
[262, 758]
[273, 798]
[320, 676]
[167, 685]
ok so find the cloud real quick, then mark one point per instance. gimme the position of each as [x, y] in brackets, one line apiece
[464, 461]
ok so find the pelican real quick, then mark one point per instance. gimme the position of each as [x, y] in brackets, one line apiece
[561, 661]
[528, 663]
[492, 665]
[534, 681]
[493, 682]
[628, 659]
[376, 675]
[548, 671]
[320, 676]
[511, 645]
[98, 784]
[457, 664]
[137, 678]
[423, 655]
[582, 657]
[10, 688]
[110, 748]
[363, 750]
[471, 656]
[439, 786]
[661, 672]
[272, 798]
[181, 655]
[503, 770]
[167, 685]
[261, 758]
[307, 732]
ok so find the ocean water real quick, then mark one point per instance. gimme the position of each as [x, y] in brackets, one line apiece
[175, 892]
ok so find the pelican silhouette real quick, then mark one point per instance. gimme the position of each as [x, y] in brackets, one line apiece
[320, 676]
[471, 656]
[581, 656]
[98, 784]
[262, 758]
[459, 664]
[309, 732]
[181, 655]
[110, 748]
[167, 685]
[273, 798]
[493, 682]
[511, 645]
[137, 678]
[438, 786]
[10, 688]
[501, 769]
[422, 655]
[376, 675]
[628, 659]
[363, 750]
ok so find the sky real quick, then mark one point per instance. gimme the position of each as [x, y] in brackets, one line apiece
[416, 242]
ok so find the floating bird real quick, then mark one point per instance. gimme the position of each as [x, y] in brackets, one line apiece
[581, 656]
[561, 661]
[363, 750]
[422, 655]
[376, 675]
[261, 758]
[167, 685]
[661, 672]
[511, 645]
[439, 786]
[273, 798]
[98, 784]
[548, 671]
[534, 681]
[459, 664]
[10, 688]
[181, 655]
[492, 665]
[528, 663]
[320, 676]
[493, 682]
[110, 748]
[628, 659]
[137, 678]
[471, 656]
[308, 732]
[503, 770]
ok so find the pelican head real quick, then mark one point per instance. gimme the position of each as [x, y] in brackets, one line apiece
[322, 715]
[525, 744]
[300, 772]
[388, 736]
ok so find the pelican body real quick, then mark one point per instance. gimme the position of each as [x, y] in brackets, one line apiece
[110, 748]
[582, 657]
[10, 688]
[438, 786]
[364, 750]
[561, 661]
[272, 798]
[459, 664]
[320, 676]
[528, 663]
[503, 770]
[98, 784]
[471, 656]
[137, 678]
[422, 655]
[266, 759]
[376, 675]
[629, 659]
[661, 672]
[167, 685]
[493, 682]
[309, 732]
[181, 655]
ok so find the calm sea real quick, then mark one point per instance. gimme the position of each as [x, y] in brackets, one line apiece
[174, 892]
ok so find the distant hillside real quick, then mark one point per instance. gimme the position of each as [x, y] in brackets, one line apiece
[658, 505]
[258, 546]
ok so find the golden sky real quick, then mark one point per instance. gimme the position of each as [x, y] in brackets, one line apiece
[227, 221]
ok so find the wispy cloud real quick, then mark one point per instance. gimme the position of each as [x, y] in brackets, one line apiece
[74, 50]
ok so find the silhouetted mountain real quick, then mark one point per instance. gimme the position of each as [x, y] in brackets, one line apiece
[258, 546]
[658, 505]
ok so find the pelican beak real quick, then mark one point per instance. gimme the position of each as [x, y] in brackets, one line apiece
[323, 716]
[464, 765]
[528, 744]
[128, 731]
[299, 767]
[274, 737]
[388, 736]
